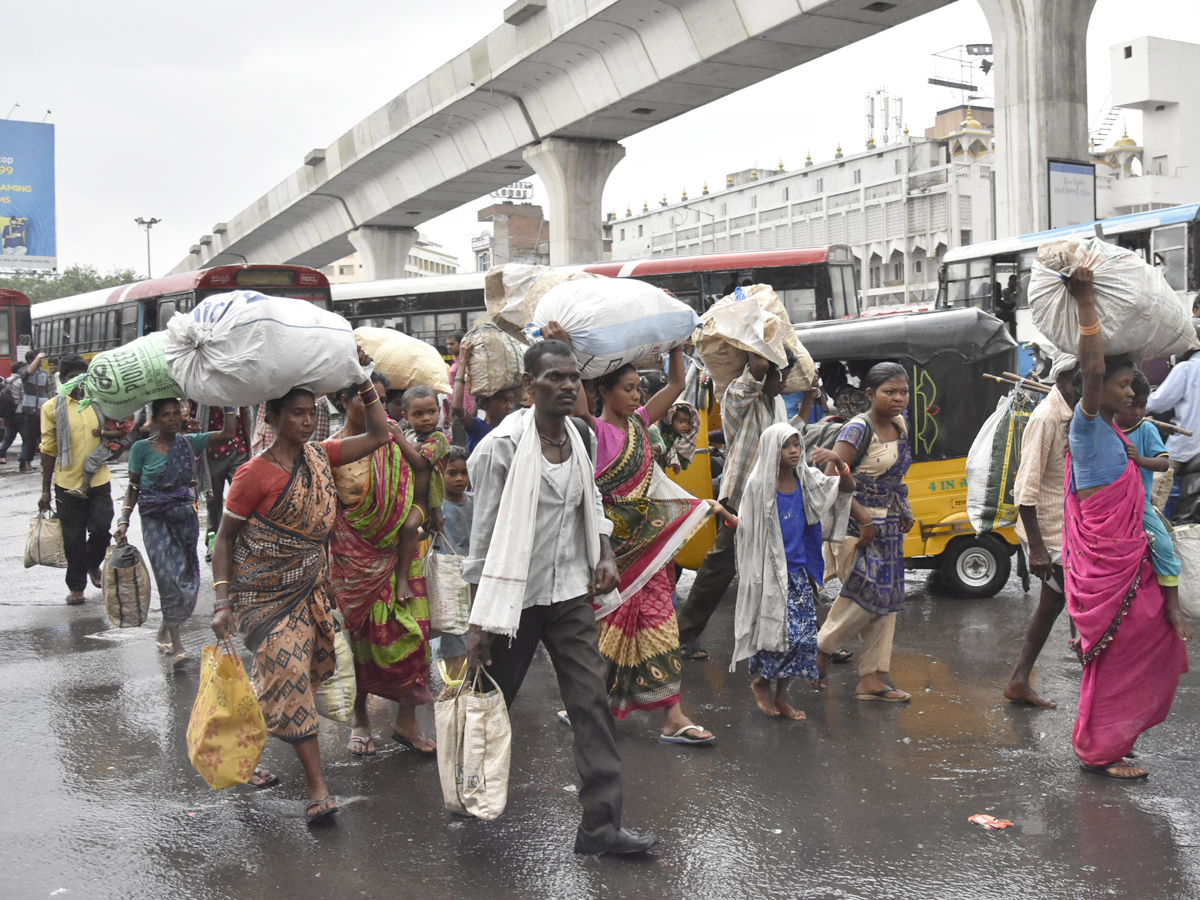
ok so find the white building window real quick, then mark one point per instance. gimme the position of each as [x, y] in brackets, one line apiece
[345, 270]
[858, 176]
[897, 162]
[722, 209]
[622, 234]
[785, 194]
[754, 203]
[820, 185]
[639, 231]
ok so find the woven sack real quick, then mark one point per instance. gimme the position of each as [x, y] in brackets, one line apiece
[495, 361]
[44, 546]
[126, 585]
[405, 360]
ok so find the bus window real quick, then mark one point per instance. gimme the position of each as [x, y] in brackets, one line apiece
[82, 334]
[112, 329]
[423, 327]
[979, 286]
[98, 331]
[684, 285]
[447, 323]
[474, 316]
[129, 323]
[801, 304]
[166, 309]
[849, 303]
[6, 347]
[956, 284]
[1169, 255]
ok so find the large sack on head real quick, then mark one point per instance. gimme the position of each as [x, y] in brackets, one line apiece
[123, 380]
[512, 293]
[751, 320]
[404, 360]
[126, 582]
[242, 348]
[1139, 312]
[494, 362]
[614, 321]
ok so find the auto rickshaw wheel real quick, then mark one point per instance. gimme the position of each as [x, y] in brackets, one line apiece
[975, 566]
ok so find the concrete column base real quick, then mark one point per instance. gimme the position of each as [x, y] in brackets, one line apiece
[384, 250]
[574, 174]
[1041, 102]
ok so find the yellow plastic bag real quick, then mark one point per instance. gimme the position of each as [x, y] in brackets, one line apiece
[226, 733]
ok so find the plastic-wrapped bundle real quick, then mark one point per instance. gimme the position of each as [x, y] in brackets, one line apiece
[992, 463]
[243, 348]
[1139, 312]
[495, 361]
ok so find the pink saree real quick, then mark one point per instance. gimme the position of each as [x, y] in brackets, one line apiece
[1132, 656]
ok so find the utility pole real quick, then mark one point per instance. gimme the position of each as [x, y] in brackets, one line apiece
[147, 224]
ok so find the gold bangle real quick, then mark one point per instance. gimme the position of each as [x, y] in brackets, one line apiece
[1089, 329]
[217, 584]
[374, 399]
[366, 391]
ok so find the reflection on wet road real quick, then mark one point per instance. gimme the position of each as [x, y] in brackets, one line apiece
[864, 800]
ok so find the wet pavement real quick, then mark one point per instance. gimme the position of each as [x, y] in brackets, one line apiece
[864, 800]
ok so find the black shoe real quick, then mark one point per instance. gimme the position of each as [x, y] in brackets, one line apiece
[841, 656]
[612, 840]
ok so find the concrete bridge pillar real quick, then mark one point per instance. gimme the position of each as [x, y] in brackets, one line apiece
[574, 173]
[384, 249]
[1041, 102]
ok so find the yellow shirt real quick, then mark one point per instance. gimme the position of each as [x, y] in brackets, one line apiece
[82, 440]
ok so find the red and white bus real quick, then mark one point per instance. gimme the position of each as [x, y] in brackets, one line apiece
[100, 320]
[15, 330]
[814, 283]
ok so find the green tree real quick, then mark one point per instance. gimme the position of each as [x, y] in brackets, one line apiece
[77, 279]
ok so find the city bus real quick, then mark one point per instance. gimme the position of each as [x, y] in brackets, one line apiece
[814, 284]
[100, 320]
[979, 275]
[15, 330]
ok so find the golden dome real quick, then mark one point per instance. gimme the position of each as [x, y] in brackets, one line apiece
[970, 123]
[838, 155]
[808, 160]
[1125, 141]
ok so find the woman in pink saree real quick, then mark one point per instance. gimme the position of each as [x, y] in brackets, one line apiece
[1130, 635]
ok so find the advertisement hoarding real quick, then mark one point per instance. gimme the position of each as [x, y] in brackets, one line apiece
[27, 221]
[1072, 193]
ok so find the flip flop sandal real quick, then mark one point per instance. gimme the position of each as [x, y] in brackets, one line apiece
[696, 655]
[841, 656]
[179, 660]
[1103, 772]
[562, 717]
[267, 778]
[324, 812]
[883, 695]
[166, 649]
[364, 742]
[680, 737]
[401, 739]
[76, 599]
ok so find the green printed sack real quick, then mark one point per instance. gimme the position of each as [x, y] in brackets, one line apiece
[123, 380]
[993, 460]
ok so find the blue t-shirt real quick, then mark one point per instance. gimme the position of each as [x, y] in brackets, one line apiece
[792, 522]
[476, 430]
[1098, 454]
[457, 527]
[1149, 443]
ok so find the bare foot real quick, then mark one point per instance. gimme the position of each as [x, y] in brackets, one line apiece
[796, 715]
[75, 598]
[762, 696]
[97, 577]
[1179, 623]
[1017, 692]
[403, 591]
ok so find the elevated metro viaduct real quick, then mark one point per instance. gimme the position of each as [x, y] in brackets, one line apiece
[557, 86]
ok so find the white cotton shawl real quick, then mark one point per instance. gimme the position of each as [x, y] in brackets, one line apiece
[500, 597]
[760, 621]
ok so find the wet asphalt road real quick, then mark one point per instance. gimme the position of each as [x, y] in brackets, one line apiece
[864, 800]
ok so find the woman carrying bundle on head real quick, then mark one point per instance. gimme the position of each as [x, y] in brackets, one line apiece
[652, 518]
[388, 633]
[161, 472]
[1131, 630]
[271, 571]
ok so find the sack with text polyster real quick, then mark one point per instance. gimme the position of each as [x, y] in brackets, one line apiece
[242, 348]
[123, 380]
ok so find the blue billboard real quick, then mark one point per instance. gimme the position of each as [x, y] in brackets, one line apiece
[27, 222]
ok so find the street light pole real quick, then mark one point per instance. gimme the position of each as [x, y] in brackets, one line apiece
[147, 224]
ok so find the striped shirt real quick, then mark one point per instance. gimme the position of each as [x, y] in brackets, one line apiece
[1043, 469]
[746, 412]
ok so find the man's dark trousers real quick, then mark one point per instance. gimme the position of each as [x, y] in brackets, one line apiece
[712, 581]
[568, 631]
[85, 524]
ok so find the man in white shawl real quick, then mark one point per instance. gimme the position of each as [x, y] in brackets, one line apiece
[539, 556]
[787, 507]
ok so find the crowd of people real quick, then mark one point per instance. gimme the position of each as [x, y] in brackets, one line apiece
[557, 494]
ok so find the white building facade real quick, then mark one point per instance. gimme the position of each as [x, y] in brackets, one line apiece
[899, 208]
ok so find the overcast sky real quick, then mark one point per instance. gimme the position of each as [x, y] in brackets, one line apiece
[190, 113]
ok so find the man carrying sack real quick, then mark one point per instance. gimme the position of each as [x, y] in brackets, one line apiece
[68, 436]
[539, 554]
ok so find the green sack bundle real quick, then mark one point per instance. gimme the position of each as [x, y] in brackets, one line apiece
[123, 380]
